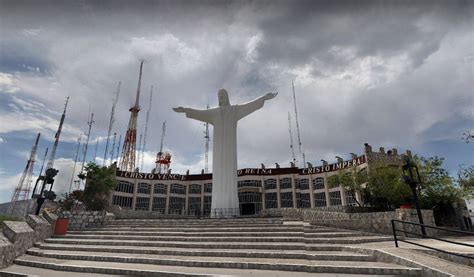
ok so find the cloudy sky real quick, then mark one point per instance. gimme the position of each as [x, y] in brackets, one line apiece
[389, 74]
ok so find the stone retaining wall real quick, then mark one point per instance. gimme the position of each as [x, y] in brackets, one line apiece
[17, 236]
[131, 214]
[378, 222]
[86, 219]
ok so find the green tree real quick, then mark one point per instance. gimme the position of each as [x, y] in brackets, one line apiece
[99, 183]
[437, 187]
[465, 180]
[384, 188]
[352, 180]
[70, 199]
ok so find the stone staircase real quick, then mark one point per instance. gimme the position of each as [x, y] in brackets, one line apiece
[251, 246]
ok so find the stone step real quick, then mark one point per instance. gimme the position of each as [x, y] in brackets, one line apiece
[204, 226]
[314, 266]
[191, 239]
[215, 234]
[333, 254]
[238, 244]
[183, 247]
[206, 229]
[185, 234]
[300, 238]
[188, 223]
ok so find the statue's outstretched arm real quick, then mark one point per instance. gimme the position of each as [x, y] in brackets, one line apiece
[250, 107]
[201, 115]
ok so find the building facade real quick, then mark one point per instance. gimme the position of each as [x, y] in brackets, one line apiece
[259, 188]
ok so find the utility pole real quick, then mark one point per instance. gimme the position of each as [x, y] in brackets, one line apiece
[146, 128]
[111, 123]
[22, 190]
[75, 162]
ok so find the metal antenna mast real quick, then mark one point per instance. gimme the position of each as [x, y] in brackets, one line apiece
[95, 149]
[111, 123]
[206, 153]
[75, 162]
[112, 154]
[128, 160]
[291, 139]
[163, 131]
[118, 148]
[297, 124]
[56, 141]
[22, 191]
[139, 149]
[44, 159]
[146, 128]
[162, 159]
[89, 123]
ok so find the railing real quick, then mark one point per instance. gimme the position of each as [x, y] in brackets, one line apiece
[397, 239]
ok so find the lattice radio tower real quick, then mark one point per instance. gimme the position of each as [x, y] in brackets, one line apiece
[163, 159]
[75, 162]
[22, 190]
[291, 139]
[90, 122]
[146, 129]
[298, 126]
[56, 137]
[111, 123]
[127, 162]
[206, 145]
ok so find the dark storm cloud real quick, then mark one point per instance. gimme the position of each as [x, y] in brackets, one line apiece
[383, 72]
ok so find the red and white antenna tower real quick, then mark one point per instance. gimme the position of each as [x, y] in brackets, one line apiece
[22, 190]
[146, 129]
[111, 123]
[127, 162]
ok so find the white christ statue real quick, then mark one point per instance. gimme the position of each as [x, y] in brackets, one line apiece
[225, 199]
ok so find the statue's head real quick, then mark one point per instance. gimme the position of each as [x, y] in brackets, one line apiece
[223, 97]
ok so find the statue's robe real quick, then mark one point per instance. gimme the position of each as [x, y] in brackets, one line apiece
[225, 200]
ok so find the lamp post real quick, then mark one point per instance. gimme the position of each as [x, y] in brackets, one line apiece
[411, 176]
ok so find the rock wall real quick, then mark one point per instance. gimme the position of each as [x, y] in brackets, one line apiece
[86, 219]
[17, 236]
[377, 222]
